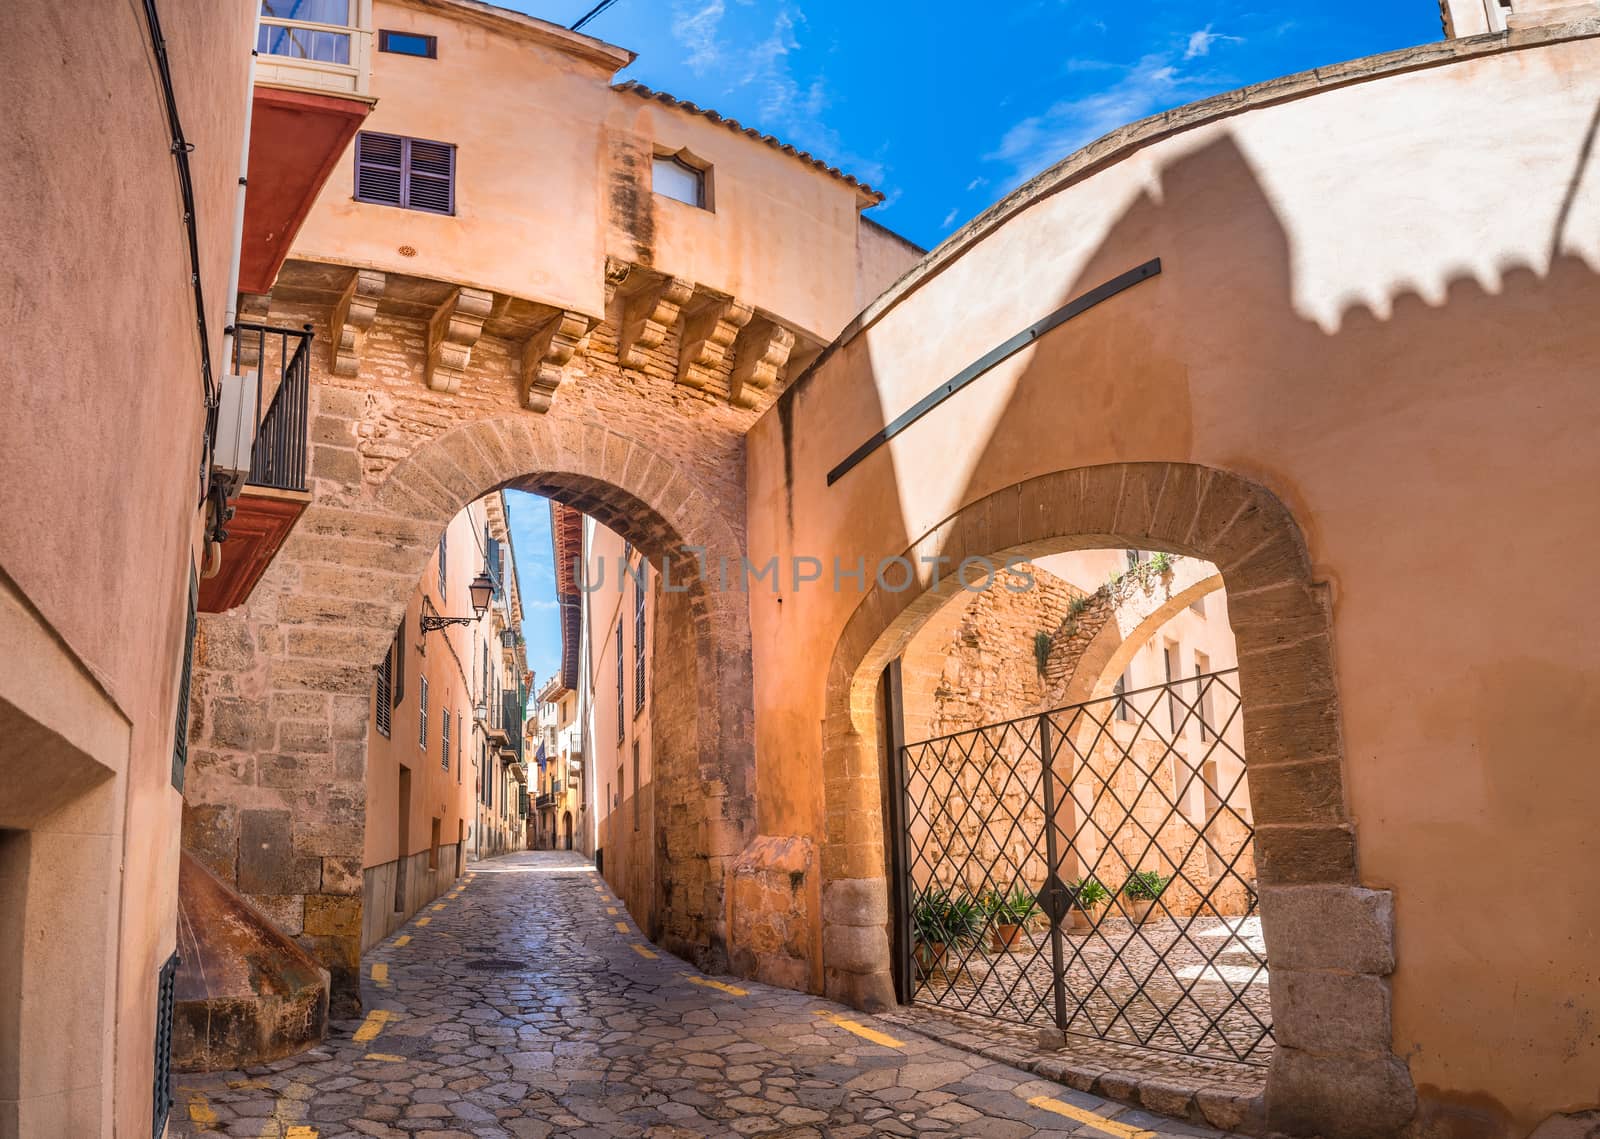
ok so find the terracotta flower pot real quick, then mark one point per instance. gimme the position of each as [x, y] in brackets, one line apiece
[1139, 911]
[928, 956]
[1003, 937]
[1085, 920]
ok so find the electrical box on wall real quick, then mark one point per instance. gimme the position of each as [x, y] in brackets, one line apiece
[236, 429]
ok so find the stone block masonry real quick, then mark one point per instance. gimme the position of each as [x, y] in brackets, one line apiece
[276, 799]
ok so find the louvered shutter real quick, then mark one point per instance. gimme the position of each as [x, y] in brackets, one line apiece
[180, 737]
[430, 176]
[491, 557]
[380, 166]
[384, 699]
[400, 664]
[161, 1091]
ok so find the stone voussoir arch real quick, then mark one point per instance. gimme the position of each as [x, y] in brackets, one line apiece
[328, 608]
[1329, 940]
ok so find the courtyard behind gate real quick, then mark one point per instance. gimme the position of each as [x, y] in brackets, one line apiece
[1090, 869]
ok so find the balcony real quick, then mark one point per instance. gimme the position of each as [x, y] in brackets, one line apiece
[259, 456]
[313, 77]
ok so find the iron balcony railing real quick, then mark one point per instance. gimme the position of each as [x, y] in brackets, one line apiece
[282, 359]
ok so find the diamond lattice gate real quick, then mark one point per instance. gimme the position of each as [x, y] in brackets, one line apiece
[1090, 868]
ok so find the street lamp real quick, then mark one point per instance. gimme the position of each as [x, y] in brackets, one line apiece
[481, 713]
[481, 590]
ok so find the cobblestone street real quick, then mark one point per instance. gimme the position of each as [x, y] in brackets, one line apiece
[562, 1020]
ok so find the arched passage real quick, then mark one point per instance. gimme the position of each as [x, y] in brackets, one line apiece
[1329, 940]
[276, 802]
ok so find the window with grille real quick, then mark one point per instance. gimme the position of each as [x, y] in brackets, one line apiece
[180, 737]
[444, 738]
[411, 173]
[383, 692]
[166, 984]
[621, 703]
[638, 643]
[422, 712]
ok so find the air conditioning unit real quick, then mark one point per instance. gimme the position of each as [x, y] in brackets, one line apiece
[236, 429]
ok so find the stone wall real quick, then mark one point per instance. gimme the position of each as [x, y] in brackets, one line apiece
[275, 802]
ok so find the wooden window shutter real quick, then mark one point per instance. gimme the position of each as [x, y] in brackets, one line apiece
[400, 663]
[430, 176]
[180, 736]
[384, 698]
[380, 168]
[166, 999]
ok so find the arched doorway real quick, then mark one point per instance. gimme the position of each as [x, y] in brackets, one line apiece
[309, 640]
[566, 830]
[1321, 928]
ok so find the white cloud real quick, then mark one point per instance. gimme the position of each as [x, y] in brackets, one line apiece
[1200, 42]
[695, 25]
[976, 184]
[950, 218]
[1040, 140]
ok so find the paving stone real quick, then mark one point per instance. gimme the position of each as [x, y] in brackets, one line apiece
[589, 1039]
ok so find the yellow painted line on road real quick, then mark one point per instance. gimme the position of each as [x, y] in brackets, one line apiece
[860, 1029]
[380, 975]
[386, 1057]
[641, 950]
[612, 910]
[439, 907]
[720, 986]
[402, 941]
[423, 921]
[290, 1107]
[373, 1025]
[200, 1112]
[622, 927]
[1098, 1122]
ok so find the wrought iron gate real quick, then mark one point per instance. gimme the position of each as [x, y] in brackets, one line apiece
[1092, 869]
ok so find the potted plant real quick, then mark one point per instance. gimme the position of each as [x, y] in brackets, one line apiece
[1007, 915]
[1140, 893]
[941, 921]
[1089, 898]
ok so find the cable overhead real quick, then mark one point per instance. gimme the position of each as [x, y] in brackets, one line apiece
[591, 14]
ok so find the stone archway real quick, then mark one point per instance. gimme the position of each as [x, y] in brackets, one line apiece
[1330, 940]
[275, 804]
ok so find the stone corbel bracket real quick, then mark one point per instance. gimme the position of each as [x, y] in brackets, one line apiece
[546, 355]
[452, 331]
[759, 355]
[710, 327]
[647, 314]
[352, 316]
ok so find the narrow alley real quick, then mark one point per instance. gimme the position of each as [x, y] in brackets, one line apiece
[565, 1021]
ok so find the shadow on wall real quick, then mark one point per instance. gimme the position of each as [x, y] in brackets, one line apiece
[1293, 380]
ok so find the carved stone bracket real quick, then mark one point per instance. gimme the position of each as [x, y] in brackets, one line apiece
[546, 354]
[352, 316]
[709, 330]
[759, 355]
[647, 315]
[616, 273]
[452, 331]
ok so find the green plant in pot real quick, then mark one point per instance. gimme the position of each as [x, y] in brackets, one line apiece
[1008, 914]
[1141, 892]
[1089, 898]
[942, 921]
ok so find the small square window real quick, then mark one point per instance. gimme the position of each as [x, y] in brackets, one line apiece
[672, 177]
[408, 43]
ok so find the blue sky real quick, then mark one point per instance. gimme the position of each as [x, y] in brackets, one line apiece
[946, 107]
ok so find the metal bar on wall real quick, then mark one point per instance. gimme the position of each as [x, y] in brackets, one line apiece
[899, 857]
[1052, 855]
[1076, 307]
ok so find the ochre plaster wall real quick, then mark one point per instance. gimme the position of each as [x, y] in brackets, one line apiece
[99, 451]
[1383, 315]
